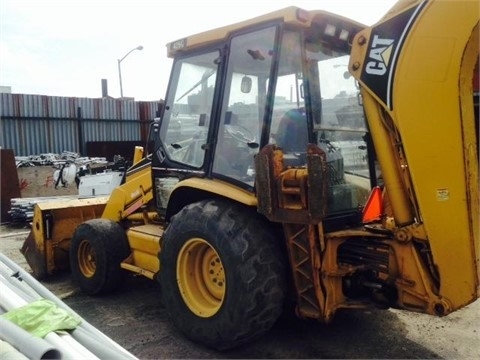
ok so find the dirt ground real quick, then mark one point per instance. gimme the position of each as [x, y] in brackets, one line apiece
[135, 317]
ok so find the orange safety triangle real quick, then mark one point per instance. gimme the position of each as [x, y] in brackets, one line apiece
[373, 209]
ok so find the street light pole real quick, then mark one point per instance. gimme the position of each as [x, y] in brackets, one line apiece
[140, 47]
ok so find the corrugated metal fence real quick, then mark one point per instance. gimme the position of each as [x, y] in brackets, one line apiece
[37, 124]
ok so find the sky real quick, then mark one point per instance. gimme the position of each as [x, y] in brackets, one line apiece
[66, 47]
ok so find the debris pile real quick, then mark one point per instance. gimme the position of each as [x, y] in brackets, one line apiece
[21, 209]
[57, 160]
[70, 169]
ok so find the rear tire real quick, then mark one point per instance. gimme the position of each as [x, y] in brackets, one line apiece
[222, 274]
[97, 248]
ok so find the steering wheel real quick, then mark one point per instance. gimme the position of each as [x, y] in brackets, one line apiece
[240, 133]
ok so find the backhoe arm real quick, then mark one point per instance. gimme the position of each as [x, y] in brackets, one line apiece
[416, 69]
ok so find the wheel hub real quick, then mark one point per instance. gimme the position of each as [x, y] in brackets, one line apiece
[201, 277]
[86, 259]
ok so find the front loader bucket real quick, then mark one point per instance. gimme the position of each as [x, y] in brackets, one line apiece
[54, 222]
[35, 256]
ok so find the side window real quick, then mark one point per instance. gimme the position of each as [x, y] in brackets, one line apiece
[342, 124]
[249, 67]
[188, 108]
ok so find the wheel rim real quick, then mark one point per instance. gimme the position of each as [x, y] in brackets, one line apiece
[201, 277]
[86, 259]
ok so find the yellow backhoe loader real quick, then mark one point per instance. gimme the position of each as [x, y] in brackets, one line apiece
[300, 156]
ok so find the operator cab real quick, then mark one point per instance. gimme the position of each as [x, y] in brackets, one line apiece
[284, 81]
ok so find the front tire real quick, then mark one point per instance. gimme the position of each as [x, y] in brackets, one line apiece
[222, 274]
[97, 248]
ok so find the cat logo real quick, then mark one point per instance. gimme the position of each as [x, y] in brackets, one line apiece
[379, 56]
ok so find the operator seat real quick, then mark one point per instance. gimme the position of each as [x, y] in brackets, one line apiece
[292, 134]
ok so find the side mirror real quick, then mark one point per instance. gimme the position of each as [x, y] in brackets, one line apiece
[246, 85]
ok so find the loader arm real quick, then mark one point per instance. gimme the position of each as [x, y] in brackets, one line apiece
[135, 192]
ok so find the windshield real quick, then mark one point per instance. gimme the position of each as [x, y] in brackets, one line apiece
[188, 109]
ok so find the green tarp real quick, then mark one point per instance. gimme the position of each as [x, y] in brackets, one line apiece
[42, 317]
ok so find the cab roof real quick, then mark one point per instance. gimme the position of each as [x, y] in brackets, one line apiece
[290, 15]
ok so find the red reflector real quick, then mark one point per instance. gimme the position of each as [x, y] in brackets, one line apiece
[373, 209]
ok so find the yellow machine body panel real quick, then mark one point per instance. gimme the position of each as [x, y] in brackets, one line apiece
[144, 241]
[220, 188]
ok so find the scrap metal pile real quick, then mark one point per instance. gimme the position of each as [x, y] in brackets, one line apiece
[21, 209]
[68, 168]
[56, 160]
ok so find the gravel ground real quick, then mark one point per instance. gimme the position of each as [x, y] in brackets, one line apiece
[135, 318]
